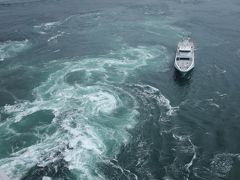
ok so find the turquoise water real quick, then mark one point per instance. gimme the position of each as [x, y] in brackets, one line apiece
[88, 90]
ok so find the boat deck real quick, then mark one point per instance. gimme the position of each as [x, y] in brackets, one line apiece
[184, 59]
[184, 64]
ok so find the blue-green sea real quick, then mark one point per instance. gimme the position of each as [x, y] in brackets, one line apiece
[88, 90]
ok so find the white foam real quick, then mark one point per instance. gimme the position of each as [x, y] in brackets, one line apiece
[221, 164]
[185, 145]
[221, 94]
[56, 51]
[215, 105]
[167, 178]
[180, 138]
[46, 178]
[10, 49]
[47, 26]
[44, 28]
[80, 111]
[55, 37]
[18, 163]
[188, 165]
[221, 70]
[212, 103]
[104, 102]
[161, 99]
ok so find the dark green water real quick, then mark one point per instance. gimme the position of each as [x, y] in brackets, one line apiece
[88, 90]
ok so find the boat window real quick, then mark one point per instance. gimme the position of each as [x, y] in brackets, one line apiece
[184, 51]
[186, 59]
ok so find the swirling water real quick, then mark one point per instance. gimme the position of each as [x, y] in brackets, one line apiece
[88, 90]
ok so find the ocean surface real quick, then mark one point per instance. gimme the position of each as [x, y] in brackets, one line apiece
[88, 90]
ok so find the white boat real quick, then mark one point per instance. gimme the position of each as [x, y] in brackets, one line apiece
[184, 60]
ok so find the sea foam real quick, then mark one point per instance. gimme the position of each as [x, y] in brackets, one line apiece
[10, 49]
[91, 114]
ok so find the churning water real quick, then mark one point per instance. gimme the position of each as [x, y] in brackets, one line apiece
[88, 90]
